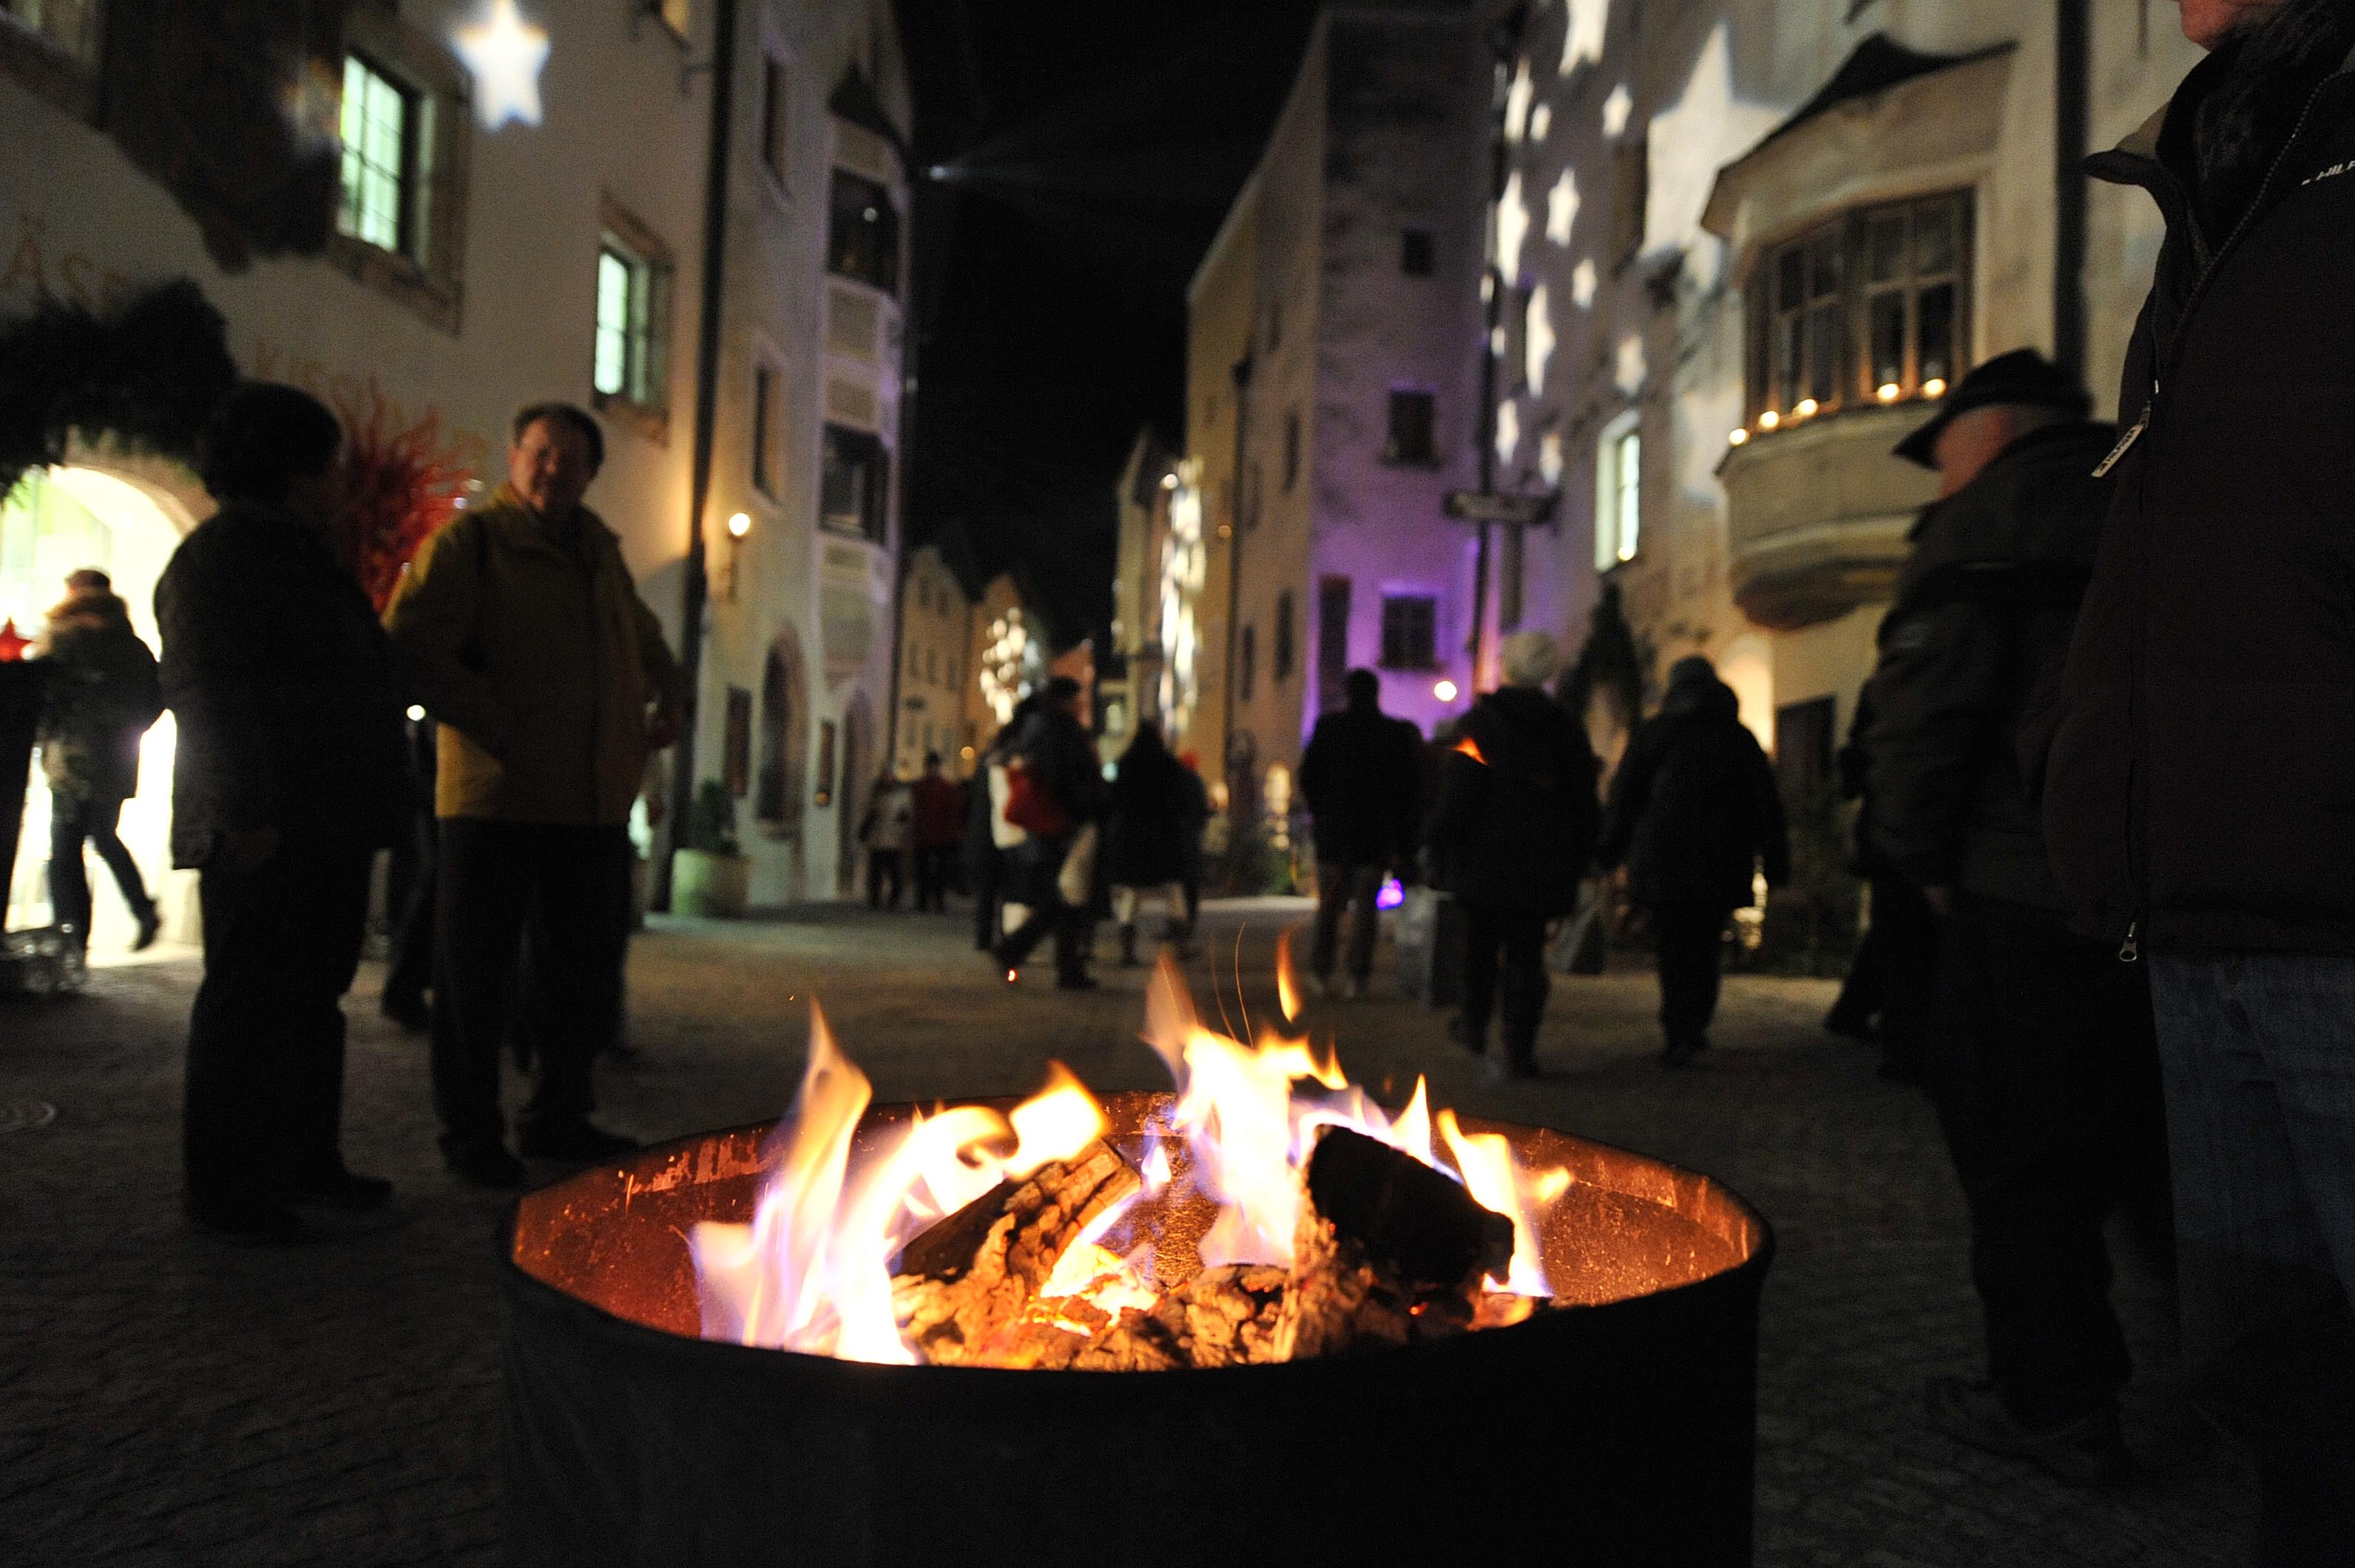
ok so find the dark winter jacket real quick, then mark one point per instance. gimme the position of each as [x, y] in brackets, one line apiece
[1518, 813]
[1981, 623]
[1694, 809]
[1061, 755]
[2200, 763]
[1359, 779]
[1150, 803]
[282, 682]
[104, 697]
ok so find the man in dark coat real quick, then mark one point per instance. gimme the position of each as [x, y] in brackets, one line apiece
[1885, 1000]
[103, 698]
[1054, 750]
[1694, 812]
[1359, 779]
[2042, 1064]
[2201, 761]
[939, 824]
[1511, 838]
[290, 777]
[1149, 808]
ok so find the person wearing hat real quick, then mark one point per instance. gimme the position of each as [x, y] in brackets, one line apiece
[2042, 1064]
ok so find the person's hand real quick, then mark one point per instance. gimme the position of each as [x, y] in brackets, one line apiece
[662, 725]
[247, 848]
[1940, 900]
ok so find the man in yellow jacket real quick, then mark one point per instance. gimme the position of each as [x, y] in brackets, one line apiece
[519, 627]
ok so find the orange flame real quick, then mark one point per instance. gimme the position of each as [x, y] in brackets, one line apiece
[1469, 747]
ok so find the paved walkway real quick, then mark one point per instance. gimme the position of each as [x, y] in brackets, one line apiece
[166, 1400]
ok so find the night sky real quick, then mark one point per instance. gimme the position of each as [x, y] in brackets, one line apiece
[1093, 150]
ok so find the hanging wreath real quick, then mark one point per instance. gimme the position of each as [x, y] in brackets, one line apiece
[402, 484]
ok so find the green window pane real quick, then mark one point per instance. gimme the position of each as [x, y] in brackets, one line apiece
[613, 367]
[376, 176]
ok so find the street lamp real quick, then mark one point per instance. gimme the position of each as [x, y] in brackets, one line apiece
[739, 524]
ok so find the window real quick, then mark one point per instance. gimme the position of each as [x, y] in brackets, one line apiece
[768, 387]
[70, 25]
[863, 233]
[1803, 749]
[1512, 574]
[1410, 632]
[377, 203]
[1872, 308]
[625, 320]
[776, 128]
[851, 495]
[1631, 191]
[1415, 255]
[1246, 664]
[1283, 636]
[1619, 492]
[1332, 639]
[1414, 438]
[735, 747]
[823, 796]
[1291, 449]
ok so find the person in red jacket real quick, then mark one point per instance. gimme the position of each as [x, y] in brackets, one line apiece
[939, 828]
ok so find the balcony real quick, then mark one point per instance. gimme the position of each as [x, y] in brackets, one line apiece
[1816, 515]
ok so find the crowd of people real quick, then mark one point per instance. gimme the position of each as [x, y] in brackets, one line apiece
[2104, 765]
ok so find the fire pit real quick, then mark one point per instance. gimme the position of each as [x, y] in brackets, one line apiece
[1523, 1343]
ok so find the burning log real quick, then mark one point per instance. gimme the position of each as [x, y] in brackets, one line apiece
[1389, 1251]
[1223, 1316]
[968, 1288]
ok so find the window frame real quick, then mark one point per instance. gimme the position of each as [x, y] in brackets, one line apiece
[410, 172]
[875, 517]
[1394, 448]
[1616, 482]
[1282, 655]
[1860, 376]
[1418, 254]
[423, 270]
[766, 469]
[776, 118]
[1410, 632]
[885, 277]
[643, 400]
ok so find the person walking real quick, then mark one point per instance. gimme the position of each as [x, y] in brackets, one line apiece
[1054, 794]
[289, 778]
[1512, 838]
[2199, 762]
[1694, 812]
[1149, 806]
[939, 825]
[1195, 825]
[1358, 778]
[2042, 1064]
[1884, 999]
[552, 682]
[103, 698]
[886, 832]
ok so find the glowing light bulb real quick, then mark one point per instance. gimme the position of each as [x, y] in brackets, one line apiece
[1935, 387]
[1770, 420]
[1170, 481]
[1738, 438]
[740, 525]
[1805, 409]
[416, 714]
[1889, 391]
[1444, 691]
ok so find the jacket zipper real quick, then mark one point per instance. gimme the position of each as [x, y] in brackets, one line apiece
[2130, 950]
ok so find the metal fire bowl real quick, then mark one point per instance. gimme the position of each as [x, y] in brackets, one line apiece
[1616, 1429]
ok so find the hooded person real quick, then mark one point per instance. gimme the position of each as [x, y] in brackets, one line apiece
[103, 698]
[1360, 779]
[1694, 814]
[1511, 838]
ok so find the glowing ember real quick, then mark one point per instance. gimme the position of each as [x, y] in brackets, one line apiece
[814, 1271]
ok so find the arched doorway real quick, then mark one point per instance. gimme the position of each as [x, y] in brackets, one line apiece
[782, 778]
[58, 520]
[850, 800]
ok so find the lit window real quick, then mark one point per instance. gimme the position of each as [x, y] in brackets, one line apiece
[379, 169]
[863, 233]
[620, 316]
[1410, 632]
[1619, 494]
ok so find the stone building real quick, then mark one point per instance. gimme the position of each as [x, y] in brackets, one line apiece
[477, 204]
[1746, 246]
[936, 633]
[1356, 388]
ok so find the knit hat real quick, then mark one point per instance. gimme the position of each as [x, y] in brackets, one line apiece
[1531, 658]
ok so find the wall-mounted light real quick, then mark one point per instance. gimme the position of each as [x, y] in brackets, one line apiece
[1889, 391]
[1770, 420]
[1935, 387]
[1444, 691]
[1738, 438]
[1804, 410]
[739, 524]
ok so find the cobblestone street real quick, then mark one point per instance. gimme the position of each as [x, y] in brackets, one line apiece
[166, 1400]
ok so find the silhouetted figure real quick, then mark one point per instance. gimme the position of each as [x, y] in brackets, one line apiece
[1150, 810]
[1054, 789]
[939, 812]
[520, 627]
[1512, 837]
[289, 778]
[1885, 1000]
[886, 832]
[103, 698]
[411, 893]
[1694, 811]
[1358, 778]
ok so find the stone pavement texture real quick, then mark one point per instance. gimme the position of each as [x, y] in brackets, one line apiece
[167, 1400]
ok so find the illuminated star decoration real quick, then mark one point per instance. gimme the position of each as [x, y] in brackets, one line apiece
[1549, 458]
[1710, 125]
[1512, 228]
[1583, 40]
[1508, 431]
[505, 53]
[1582, 284]
[1562, 207]
[1538, 345]
[1517, 102]
[1616, 109]
[1633, 366]
[1541, 121]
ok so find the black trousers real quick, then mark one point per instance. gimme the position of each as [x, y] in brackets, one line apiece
[1030, 878]
[884, 878]
[1891, 976]
[2044, 1070]
[71, 823]
[932, 867]
[263, 1106]
[569, 886]
[1689, 940]
[1516, 937]
[411, 896]
[987, 872]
